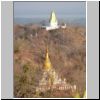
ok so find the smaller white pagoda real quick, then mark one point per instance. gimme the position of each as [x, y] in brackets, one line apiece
[53, 23]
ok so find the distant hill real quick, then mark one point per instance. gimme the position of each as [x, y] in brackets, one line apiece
[67, 51]
[71, 21]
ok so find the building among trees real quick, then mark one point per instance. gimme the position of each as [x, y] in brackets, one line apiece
[51, 80]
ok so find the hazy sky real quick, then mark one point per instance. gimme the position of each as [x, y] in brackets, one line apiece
[34, 9]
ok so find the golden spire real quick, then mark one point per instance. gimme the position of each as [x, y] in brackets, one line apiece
[47, 63]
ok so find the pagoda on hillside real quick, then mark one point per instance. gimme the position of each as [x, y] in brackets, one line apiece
[50, 79]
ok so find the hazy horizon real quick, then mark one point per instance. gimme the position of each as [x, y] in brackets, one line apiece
[26, 12]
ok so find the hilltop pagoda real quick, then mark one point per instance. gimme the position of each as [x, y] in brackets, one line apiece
[53, 23]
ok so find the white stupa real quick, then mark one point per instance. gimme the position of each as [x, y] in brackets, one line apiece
[53, 20]
[53, 23]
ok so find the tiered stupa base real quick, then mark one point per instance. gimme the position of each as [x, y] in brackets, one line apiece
[51, 81]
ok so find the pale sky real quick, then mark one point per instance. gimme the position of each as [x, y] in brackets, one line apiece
[34, 9]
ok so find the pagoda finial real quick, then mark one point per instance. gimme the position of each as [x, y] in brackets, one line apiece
[47, 63]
